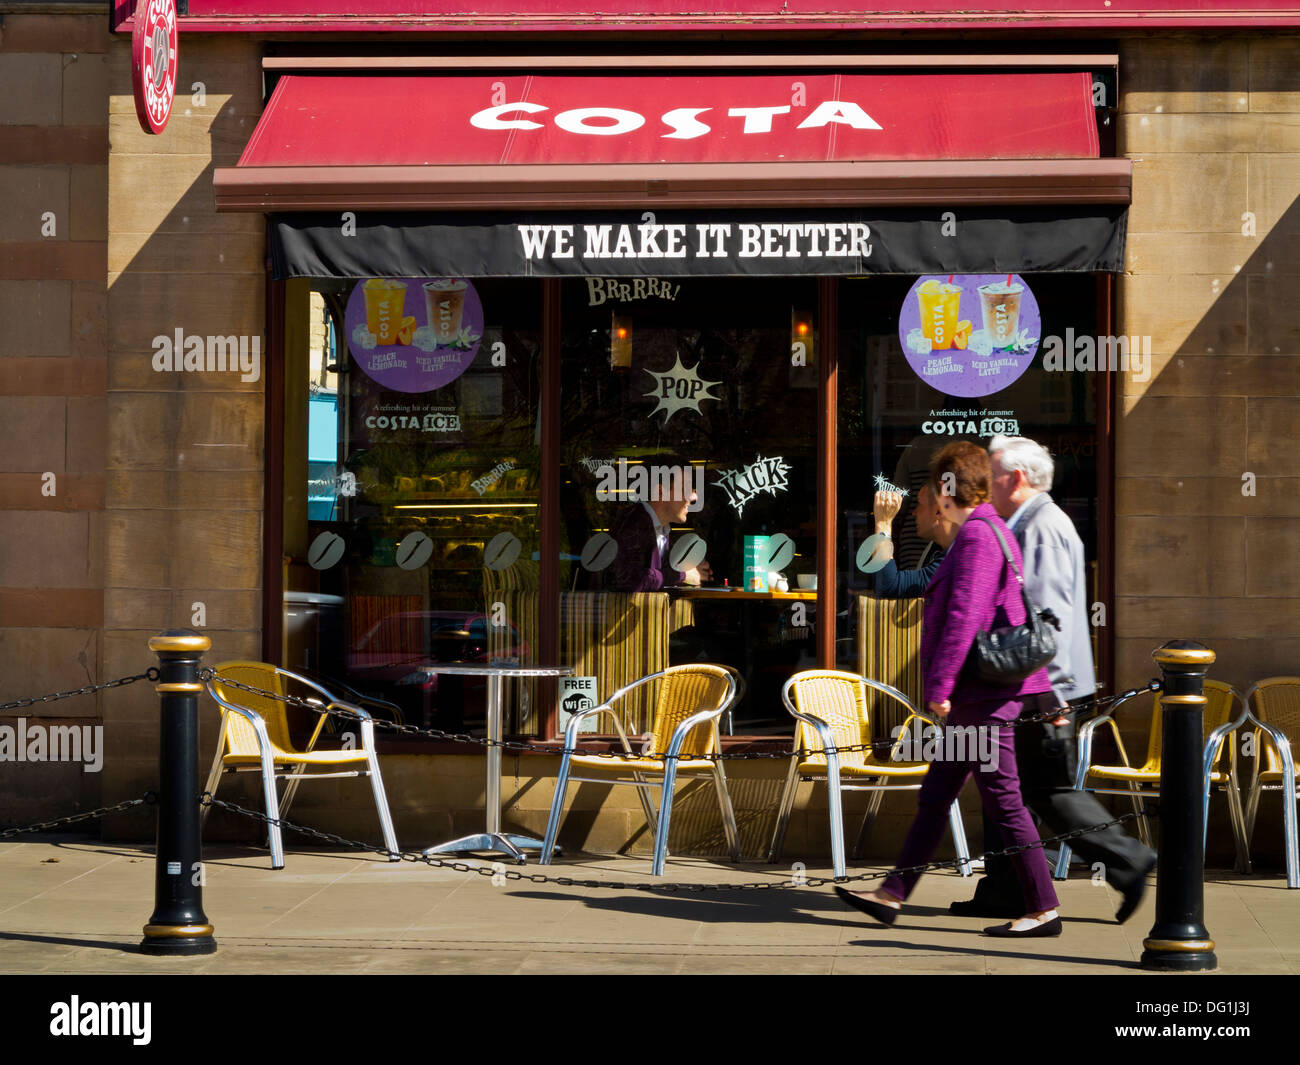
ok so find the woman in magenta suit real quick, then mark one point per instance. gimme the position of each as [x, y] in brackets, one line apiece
[972, 590]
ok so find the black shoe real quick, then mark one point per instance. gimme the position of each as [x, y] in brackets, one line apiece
[979, 908]
[882, 913]
[1039, 931]
[1133, 893]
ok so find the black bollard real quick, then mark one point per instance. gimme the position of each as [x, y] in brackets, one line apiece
[1179, 940]
[178, 924]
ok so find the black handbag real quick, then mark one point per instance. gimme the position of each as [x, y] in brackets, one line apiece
[1008, 655]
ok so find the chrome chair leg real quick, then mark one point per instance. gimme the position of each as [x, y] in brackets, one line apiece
[1237, 817]
[1252, 807]
[665, 817]
[959, 838]
[1292, 845]
[835, 801]
[272, 804]
[783, 810]
[557, 807]
[645, 794]
[1062, 870]
[214, 775]
[728, 811]
[1288, 790]
[1207, 785]
[381, 798]
[291, 787]
[1140, 808]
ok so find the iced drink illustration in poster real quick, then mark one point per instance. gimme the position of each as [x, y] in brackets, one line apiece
[414, 334]
[969, 334]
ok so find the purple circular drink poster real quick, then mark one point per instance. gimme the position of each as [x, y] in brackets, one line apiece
[414, 334]
[969, 334]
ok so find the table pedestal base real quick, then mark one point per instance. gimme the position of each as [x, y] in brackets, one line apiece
[493, 840]
[499, 842]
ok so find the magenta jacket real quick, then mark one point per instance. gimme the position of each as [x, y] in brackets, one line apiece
[972, 589]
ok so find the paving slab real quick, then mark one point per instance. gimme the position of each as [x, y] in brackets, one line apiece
[78, 906]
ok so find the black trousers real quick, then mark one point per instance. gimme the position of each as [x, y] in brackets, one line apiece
[1047, 756]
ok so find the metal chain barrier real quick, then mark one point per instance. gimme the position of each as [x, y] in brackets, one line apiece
[149, 799]
[520, 746]
[150, 674]
[207, 799]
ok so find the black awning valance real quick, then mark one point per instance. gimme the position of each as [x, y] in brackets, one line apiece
[666, 243]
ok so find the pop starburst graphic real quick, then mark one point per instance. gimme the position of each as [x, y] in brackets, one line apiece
[679, 389]
[882, 485]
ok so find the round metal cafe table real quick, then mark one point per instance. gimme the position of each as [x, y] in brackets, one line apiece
[493, 839]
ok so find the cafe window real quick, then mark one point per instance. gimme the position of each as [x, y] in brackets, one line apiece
[411, 479]
[685, 466]
[689, 473]
[924, 361]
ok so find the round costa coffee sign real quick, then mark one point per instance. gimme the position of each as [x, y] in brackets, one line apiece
[970, 335]
[153, 62]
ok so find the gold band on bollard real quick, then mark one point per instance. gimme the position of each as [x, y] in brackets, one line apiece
[1182, 700]
[177, 686]
[177, 931]
[179, 643]
[1187, 945]
[1183, 656]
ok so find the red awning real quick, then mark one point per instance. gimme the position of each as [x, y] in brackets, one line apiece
[414, 120]
[389, 140]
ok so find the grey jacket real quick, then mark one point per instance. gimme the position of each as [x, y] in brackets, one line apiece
[1054, 578]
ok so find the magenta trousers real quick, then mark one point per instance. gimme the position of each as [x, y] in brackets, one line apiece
[999, 792]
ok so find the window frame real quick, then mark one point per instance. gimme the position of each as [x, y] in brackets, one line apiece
[549, 516]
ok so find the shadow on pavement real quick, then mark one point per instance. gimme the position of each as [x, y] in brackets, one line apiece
[98, 944]
[781, 907]
[1058, 959]
[760, 908]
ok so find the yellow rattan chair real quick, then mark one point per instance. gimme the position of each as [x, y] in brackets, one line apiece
[830, 708]
[691, 700]
[1218, 719]
[254, 737]
[1276, 717]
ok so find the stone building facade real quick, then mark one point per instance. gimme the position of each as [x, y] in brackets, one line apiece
[132, 501]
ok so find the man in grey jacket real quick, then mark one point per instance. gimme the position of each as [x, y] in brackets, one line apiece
[1046, 753]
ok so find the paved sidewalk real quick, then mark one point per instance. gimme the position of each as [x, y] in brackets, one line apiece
[78, 907]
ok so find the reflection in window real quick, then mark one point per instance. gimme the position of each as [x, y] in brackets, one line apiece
[411, 420]
[891, 421]
[688, 439]
[687, 480]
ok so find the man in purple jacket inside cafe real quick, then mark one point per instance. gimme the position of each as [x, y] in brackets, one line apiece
[643, 532]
